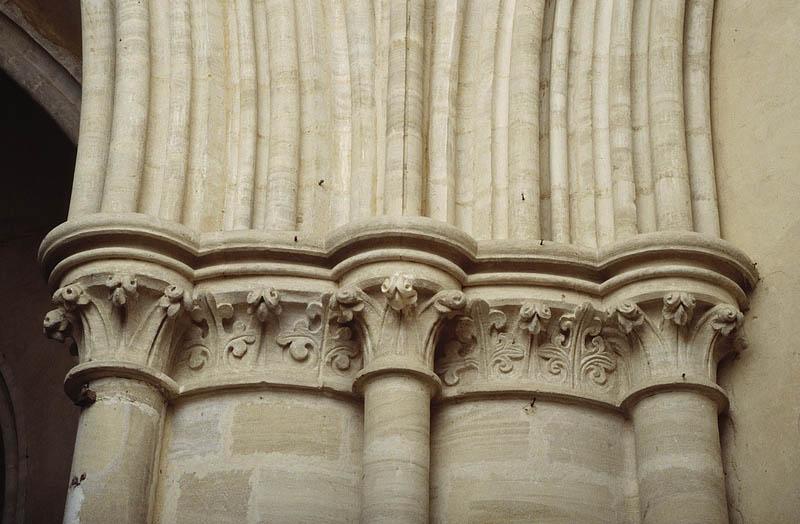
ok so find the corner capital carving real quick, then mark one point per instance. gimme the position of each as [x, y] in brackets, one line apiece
[681, 339]
[119, 317]
[395, 323]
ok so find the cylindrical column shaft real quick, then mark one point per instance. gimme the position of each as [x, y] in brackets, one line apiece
[396, 449]
[115, 452]
[678, 459]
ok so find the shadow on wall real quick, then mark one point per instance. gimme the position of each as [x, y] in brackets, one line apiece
[38, 160]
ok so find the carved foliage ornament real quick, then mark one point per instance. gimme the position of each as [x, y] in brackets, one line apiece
[258, 330]
[577, 354]
[485, 342]
[221, 335]
[681, 338]
[114, 317]
[576, 349]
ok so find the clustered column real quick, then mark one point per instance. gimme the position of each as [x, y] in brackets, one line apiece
[397, 383]
[123, 328]
[674, 403]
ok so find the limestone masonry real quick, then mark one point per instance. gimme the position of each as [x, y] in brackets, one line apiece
[396, 261]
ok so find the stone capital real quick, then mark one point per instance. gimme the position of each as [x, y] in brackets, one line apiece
[677, 342]
[399, 321]
[119, 320]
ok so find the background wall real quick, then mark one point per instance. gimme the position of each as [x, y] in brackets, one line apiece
[756, 123]
[36, 178]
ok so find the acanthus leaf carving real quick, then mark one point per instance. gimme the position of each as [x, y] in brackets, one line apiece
[726, 319]
[482, 340]
[345, 304]
[459, 354]
[343, 349]
[399, 291]
[229, 332]
[70, 297]
[98, 313]
[679, 339]
[533, 317]
[59, 323]
[679, 307]
[450, 303]
[174, 300]
[577, 354]
[121, 287]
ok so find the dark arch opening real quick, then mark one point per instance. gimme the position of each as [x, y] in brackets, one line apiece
[38, 422]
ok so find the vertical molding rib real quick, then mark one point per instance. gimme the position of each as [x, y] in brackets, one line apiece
[284, 138]
[403, 186]
[428, 36]
[474, 131]
[545, 63]
[466, 122]
[233, 94]
[667, 134]
[199, 111]
[97, 99]
[180, 92]
[640, 118]
[624, 189]
[379, 67]
[361, 48]
[523, 145]
[500, 118]
[601, 140]
[699, 15]
[579, 115]
[239, 201]
[155, 159]
[205, 184]
[262, 114]
[559, 165]
[483, 152]
[440, 198]
[131, 101]
[315, 118]
[341, 113]
[413, 142]
[393, 189]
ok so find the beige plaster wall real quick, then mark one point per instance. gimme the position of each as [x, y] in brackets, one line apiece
[756, 121]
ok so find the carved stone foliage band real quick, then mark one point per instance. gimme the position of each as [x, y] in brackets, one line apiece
[583, 351]
[281, 336]
[530, 344]
[307, 340]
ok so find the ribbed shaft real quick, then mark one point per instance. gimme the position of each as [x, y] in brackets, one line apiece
[577, 121]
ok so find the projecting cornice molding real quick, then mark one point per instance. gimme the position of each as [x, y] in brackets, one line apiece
[202, 257]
